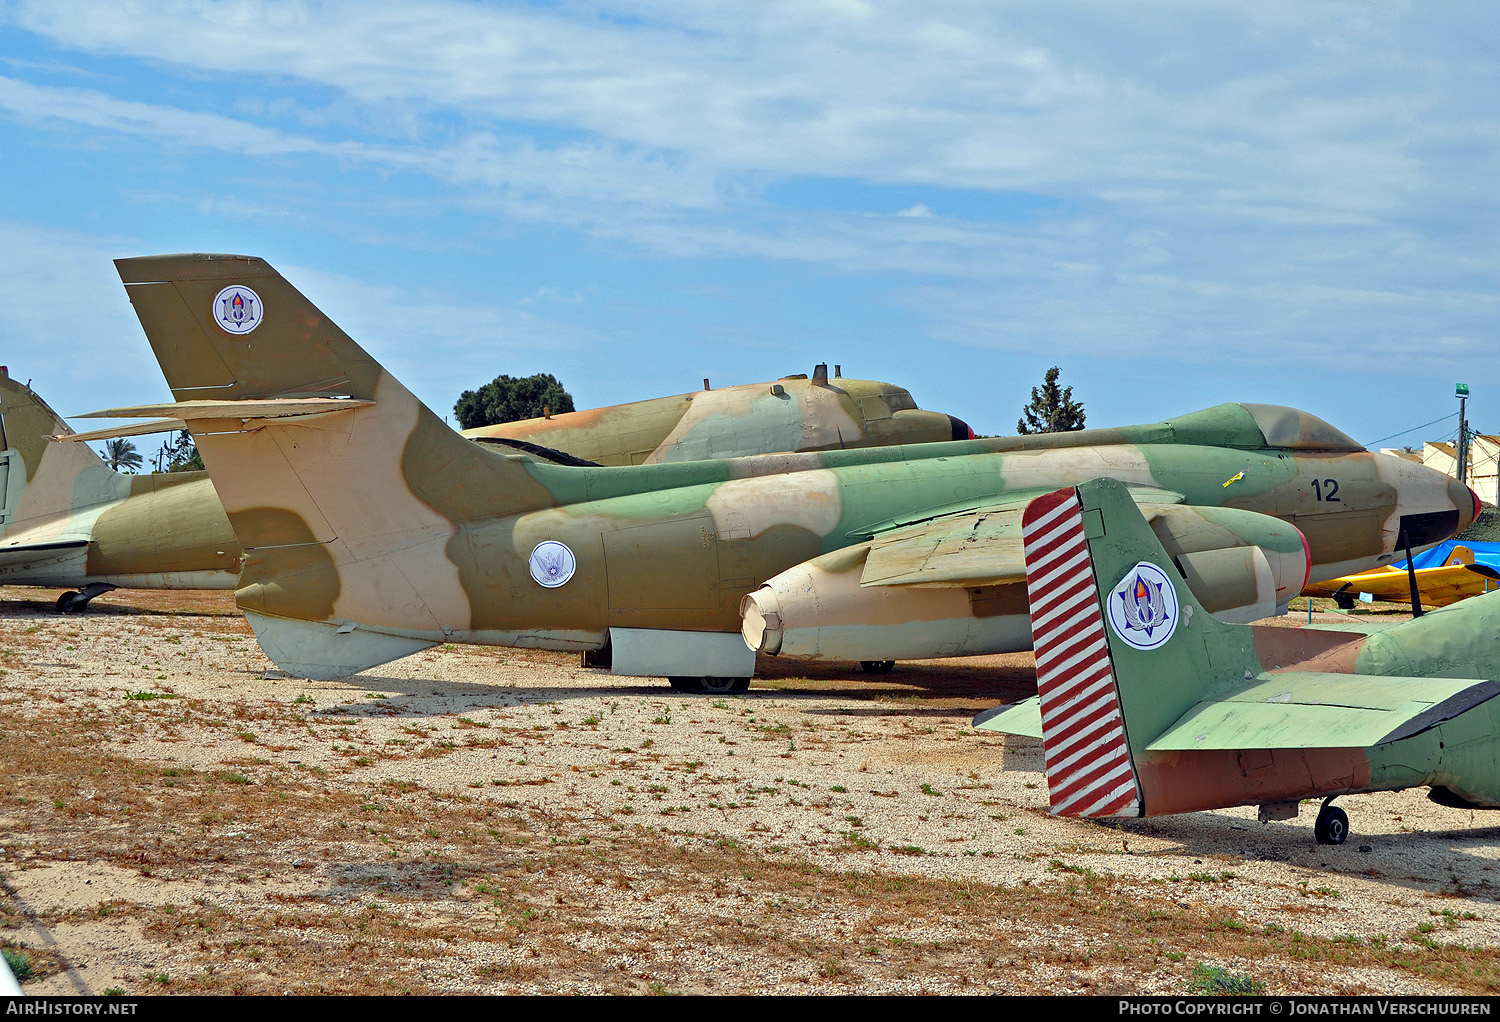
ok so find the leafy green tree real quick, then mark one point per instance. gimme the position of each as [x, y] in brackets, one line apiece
[180, 455]
[509, 398]
[1052, 408]
[120, 454]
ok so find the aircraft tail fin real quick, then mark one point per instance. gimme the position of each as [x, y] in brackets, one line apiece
[343, 488]
[1149, 705]
[229, 327]
[59, 477]
[1123, 648]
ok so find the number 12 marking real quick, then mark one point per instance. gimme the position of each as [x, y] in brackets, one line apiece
[1332, 493]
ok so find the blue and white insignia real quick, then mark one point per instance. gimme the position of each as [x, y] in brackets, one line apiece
[237, 309]
[1142, 609]
[552, 564]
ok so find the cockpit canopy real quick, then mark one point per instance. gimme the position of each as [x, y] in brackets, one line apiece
[1299, 431]
[898, 399]
[1253, 427]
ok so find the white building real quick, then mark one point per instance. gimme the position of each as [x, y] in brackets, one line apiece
[1484, 463]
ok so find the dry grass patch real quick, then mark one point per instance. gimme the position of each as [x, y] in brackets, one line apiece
[302, 837]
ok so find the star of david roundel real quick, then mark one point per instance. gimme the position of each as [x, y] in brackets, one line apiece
[552, 564]
[237, 309]
[1142, 608]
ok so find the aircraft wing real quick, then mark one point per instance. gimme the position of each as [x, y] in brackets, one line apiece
[975, 548]
[15, 551]
[961, 549]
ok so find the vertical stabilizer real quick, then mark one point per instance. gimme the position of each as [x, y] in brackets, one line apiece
[346, 492]
[1089, 770]
[40, 479]
[231, 329]
[1123, 648]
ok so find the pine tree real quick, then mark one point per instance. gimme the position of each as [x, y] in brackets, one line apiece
[1052, 408]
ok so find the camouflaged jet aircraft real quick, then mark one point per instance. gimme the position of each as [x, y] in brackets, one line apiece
[371, 530]
[66, 519]
[1168, 710]
[792, 414]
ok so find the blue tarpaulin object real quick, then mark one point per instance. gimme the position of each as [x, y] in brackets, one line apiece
[1484, 553]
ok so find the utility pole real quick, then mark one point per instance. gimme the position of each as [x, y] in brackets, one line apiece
[1461, 391]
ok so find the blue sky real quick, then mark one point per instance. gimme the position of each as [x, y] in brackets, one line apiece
[1178, 203]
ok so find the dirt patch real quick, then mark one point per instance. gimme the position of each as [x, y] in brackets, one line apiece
[177, 817]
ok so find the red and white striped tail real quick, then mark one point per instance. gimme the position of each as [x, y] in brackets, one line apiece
[1089, 772]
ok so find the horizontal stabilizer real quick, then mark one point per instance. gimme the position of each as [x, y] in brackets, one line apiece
[249, 408]
[1309, 710]
[1023, 718]
[139, 429]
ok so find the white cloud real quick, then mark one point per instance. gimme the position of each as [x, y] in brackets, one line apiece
[1283, 114]
[1184, 96]
[589, 170]
[1291, 179]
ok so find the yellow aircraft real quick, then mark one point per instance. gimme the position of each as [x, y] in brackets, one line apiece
[1456, 579]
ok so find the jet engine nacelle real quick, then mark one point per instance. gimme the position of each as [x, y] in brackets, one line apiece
[1242, 566]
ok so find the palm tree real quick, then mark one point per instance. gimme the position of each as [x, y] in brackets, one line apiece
[120, 454]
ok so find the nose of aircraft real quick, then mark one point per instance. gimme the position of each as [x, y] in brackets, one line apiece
[919, 425]
[961, 429]
[1433, 505]
[1468, 503]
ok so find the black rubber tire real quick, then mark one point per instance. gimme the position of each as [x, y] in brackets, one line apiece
[1332, 826]
[877, 666]
[67, 606]
[710, 686]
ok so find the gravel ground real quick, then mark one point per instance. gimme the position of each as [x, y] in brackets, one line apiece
[179, 817]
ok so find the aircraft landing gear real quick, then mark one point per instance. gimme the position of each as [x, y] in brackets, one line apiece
[1332, 825]
[710, 685]
[76, 601]
[877, 666]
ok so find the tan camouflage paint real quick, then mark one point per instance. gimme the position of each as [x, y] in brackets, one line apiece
[422, 537]
[162, 531]
[791, 414]
[170, 531]
[929, 598]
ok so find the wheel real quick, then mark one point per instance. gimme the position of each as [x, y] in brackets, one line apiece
[877, 666]
[68, 602]
[710, 685]
[1332, 826]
